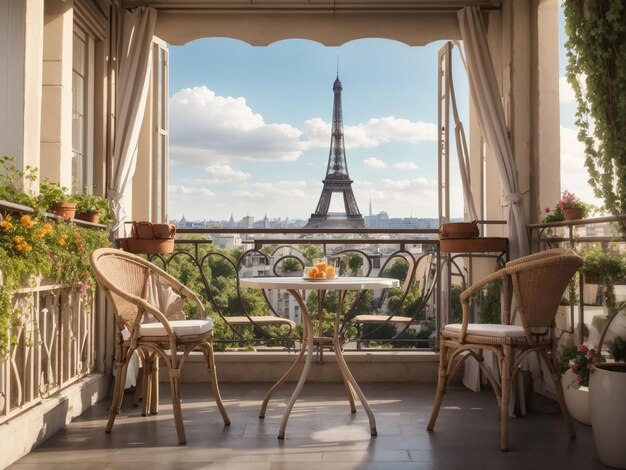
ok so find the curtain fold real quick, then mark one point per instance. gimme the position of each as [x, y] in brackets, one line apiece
[485, 95]
[134, 57]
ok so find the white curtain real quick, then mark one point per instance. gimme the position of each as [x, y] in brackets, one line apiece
[486, 98]
[134, 58]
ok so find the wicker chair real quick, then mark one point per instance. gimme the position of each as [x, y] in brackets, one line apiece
[129, 282]
[538, 282]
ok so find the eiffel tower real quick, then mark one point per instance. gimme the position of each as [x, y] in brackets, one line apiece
[337, 179]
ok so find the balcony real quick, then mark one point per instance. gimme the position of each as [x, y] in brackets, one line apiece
[64, 358]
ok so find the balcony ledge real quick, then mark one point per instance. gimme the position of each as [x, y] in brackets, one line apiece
[366, 366]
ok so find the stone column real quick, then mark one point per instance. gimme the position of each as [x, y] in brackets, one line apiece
[21, 45]
[56, 104]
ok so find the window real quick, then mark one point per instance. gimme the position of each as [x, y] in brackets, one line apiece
[82, 115]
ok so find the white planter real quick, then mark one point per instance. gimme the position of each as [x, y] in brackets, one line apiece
[607, 400]
[576, 398]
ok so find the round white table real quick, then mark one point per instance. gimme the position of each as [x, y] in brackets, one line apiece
[294, 285]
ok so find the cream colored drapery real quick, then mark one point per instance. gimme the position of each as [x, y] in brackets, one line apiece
[135, 46]
[485, 96]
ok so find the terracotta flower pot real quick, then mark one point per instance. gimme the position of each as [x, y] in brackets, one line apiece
[93, 216]
[67, 210]
[456, 230]
[573, 213]
[147, 237]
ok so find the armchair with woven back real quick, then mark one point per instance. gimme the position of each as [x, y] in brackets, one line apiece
[537, 282]
[148, 306]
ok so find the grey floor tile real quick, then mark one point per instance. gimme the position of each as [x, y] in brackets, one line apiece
[322, 434]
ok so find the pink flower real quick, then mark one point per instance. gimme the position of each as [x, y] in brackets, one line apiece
[82, 287]
[574, 368]
[546, 210]
[582, 348]
[590, 365]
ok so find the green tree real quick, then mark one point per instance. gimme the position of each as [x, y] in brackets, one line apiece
[310, 252]
[355, 262]
[292, 265]
[398, 270]
[490, 309]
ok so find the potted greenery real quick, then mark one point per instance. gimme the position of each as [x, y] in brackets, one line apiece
[55, 198]
[92, 208]
[555, 215]
[572, 207]
[35, 248]
[14, 182]
[602, 266]
[607, 387]
[577, 362]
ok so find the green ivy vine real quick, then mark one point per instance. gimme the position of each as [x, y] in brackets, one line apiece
[596, 50]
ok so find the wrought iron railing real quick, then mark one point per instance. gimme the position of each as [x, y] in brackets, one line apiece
[411, 255]
[53, 346]
[594, 306]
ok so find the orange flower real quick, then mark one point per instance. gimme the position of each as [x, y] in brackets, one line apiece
[27, 221]
[6, 223]
[62, 240]
[17, 239]
[47, 228]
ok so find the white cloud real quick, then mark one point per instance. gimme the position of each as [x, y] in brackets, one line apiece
[566, 92]
[175, 190]
[403, 184]
[374, 162]
[184, 200]
[206, 127]
[226, 173]
[209, 128]
[316, 133]
[405, 166]
[275, 193]
[400, 198]
[373, 133]
[379, 131]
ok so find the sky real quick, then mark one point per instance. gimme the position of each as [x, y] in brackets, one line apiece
[250, 128]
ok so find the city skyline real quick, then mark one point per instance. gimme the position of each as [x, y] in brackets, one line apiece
[250, 127]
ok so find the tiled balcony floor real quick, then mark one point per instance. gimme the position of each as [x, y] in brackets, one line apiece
[321, 434]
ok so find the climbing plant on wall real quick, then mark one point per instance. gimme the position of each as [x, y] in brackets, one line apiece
[596, 50]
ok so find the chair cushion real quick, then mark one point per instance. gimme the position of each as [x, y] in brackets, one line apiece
[485, 329]
[180, 327]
